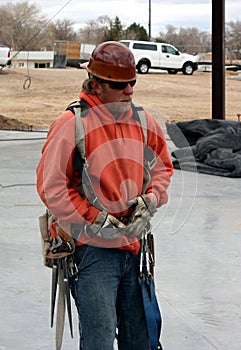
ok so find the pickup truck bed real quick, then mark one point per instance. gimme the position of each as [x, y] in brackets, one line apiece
[5, 56]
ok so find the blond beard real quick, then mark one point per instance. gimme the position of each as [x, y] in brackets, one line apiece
[117, 108]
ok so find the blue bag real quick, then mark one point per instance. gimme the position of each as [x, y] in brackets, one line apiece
[151, 308]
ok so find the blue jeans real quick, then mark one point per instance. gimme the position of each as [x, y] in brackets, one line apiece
[107, 296]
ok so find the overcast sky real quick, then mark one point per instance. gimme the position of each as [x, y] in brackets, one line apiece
[179, 13]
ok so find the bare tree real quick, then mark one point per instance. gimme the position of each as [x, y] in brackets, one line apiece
[61, 30]
[233, 39]
[20, 24]
[95, 31]
[170, 36]
[189, 40]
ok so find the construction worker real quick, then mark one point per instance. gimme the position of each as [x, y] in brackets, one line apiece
[106, 206]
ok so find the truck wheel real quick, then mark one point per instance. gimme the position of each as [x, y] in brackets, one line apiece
[143, 67]
[172, 71]
[188, 68]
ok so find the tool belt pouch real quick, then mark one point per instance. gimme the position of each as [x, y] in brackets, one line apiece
[45, 222]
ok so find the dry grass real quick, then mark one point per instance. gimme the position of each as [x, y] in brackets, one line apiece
[168, 97]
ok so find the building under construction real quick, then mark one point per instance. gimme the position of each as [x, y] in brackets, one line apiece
[71, 54]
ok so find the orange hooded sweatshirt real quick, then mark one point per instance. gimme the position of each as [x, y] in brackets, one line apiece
[115, 155]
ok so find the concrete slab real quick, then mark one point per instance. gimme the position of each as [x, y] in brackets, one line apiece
[198, 258]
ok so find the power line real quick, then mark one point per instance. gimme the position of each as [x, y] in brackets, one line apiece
[27, 81]
[45, 25]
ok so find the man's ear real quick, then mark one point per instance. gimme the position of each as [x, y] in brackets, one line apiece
[96, 86]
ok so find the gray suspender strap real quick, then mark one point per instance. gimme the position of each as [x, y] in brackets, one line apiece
[80, 144]
[150, 158]
[79, 133]
[142, 119]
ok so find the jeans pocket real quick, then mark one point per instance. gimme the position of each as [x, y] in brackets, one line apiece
[80, 255]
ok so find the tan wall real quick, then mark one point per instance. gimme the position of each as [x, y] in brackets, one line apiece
[73, 52]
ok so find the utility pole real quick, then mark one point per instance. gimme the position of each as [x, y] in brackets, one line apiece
[218, 59]
[149, 22]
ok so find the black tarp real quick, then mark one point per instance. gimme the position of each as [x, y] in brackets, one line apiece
[207, 146]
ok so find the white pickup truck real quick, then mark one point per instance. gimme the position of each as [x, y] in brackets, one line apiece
[160, 56]
[5, 56]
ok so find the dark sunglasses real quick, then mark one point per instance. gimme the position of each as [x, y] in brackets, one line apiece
[116, 85]
[119, 85]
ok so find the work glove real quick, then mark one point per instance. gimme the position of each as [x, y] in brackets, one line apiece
[143, 210]
[62, 245]
[106, 226]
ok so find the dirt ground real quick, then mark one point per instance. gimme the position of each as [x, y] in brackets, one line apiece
[36, 102]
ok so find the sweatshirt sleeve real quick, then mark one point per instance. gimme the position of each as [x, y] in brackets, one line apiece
[56, 177]
[163, 169]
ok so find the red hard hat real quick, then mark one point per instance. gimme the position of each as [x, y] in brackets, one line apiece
[113, 61]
